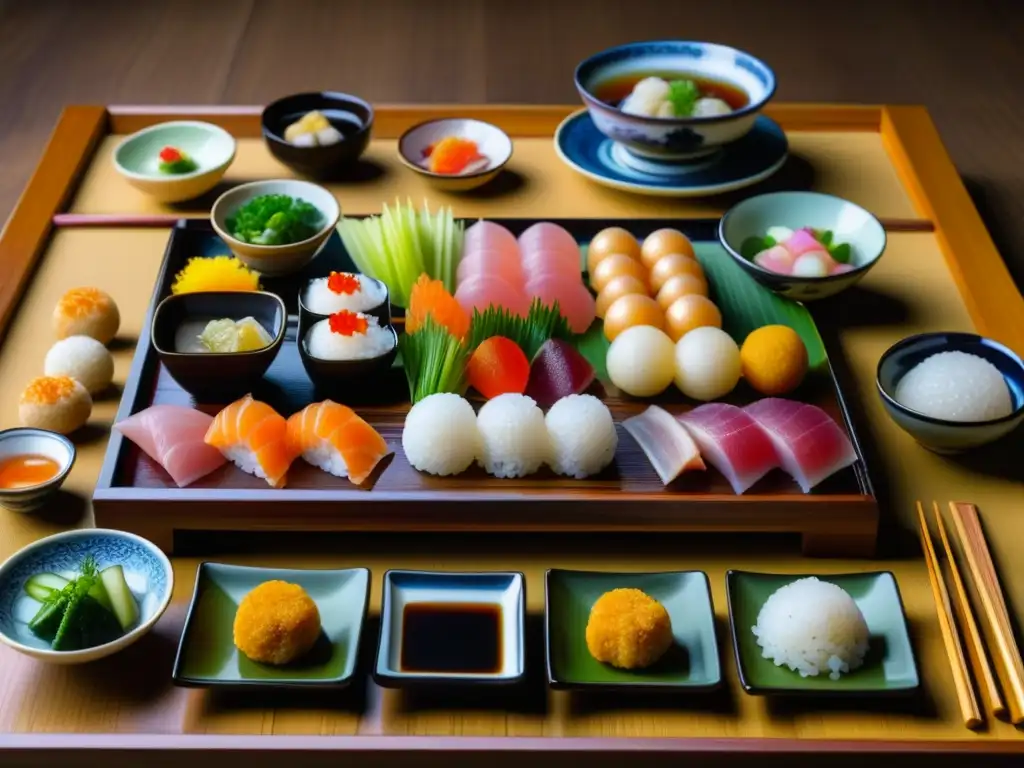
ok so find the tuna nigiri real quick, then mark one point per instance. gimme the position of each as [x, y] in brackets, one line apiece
[575, 303]
[254, 437]
[811, 446]
[334, 438]
[731, 441]
[484, 291]
[172, 436]
[488, 236]
[484, 263]
[667, 445]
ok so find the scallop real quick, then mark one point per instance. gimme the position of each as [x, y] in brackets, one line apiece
[662, 242]
[629, 311]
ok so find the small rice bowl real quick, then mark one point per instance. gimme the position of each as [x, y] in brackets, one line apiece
[82, 358]
[582, 436]
[813, 627]
[440, 435]
[513, 436]
[320, 299]
[955, 386]
[324, 344]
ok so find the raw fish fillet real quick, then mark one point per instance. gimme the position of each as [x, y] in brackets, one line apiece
[558, 370]
[731, 441]
[481, 292]
[172, 436]
[562, 263]
[488, 236]
[547, 237]
[490, 263]
[255, 438]
[335, 439]
[667, 445]
[811, 446]
[575, 303]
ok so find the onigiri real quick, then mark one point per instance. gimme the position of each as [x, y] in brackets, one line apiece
[440, 436]
[513, 437]
[84, 359]
[582, 436]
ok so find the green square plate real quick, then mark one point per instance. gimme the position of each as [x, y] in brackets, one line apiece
[691, 665]
[889, 667]
[207, 655]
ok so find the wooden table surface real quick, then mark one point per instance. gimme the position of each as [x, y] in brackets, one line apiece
[962, 60]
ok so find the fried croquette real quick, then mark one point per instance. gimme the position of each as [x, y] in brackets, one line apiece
[628, 629]
[276, 623]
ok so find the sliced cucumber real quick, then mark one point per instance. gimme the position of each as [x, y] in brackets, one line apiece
[42, 585]
[47, 620]
[99, 594]
[122, 601]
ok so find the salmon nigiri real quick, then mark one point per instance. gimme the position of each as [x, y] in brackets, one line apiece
[337, 440]
[255, 437]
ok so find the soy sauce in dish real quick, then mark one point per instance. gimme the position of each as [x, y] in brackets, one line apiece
[613, 90]
[451, 637]
[26, 470]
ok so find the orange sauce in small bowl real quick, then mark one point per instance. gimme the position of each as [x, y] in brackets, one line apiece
[26, 470]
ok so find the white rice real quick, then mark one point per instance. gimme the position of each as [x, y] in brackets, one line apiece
[244, 458]
[323, 301]
[440, 435]
[812, 627]
[325, 456]
[514, 438]
[324, 344]
[955, 386]
[582, 435]
[82, 358]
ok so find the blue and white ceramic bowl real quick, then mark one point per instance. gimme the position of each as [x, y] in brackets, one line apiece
[39, 442]
[848, 222]
[146, 569]
[941, 435]
[671, 138]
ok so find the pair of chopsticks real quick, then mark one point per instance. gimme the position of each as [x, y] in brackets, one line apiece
[1007, 659]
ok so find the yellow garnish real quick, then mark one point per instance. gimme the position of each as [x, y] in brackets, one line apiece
[47, 390]
[81, 302]
[216, 273]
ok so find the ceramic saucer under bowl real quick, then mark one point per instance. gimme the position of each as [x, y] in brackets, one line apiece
[745, 162]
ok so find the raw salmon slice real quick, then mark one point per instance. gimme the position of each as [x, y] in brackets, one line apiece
[548, 237]
[490, 263]
[482, 292]
[488, 236]
[254, 437]
[334, 438]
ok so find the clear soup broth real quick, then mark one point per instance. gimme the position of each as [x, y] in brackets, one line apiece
[613, 90]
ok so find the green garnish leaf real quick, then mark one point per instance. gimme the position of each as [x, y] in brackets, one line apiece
[434, 361]
[841, 253]
[753, 245]
[823, 236]
[275, 220]
[541, 323]
[683, 94]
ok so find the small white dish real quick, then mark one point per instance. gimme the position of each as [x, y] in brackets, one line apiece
[30, 441]
[493, 143]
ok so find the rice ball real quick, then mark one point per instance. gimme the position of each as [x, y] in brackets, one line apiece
[440, 435]
[83, 359]
[955, 386]
[582, 435]
[55, 403]
[513, 436]
[86, 312]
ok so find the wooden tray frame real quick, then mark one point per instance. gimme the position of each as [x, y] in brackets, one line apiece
[927, 172]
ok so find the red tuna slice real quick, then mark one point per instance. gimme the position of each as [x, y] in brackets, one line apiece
[575, 302]
[536, 263]
[488, 236]
[811, 446]
[484, 291]
[558, 370]
[172, 436]
[490, 264]
[732, 442]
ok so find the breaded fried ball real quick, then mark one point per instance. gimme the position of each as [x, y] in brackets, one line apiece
[628, 629]
[276, 623]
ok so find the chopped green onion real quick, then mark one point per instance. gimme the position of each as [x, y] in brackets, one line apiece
[434, 361]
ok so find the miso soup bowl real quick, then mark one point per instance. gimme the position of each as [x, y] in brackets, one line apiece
[38, 442]
[943, 435]
[276, 260]
[675, 138]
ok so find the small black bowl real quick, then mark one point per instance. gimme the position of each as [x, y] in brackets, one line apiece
[308, 318]
[217, 376]
[352, 116]
[334, 376]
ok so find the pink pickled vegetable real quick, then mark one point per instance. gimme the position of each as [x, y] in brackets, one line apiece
[666, 443]
[488, 236]
[802, 241]
[575, 303]
[490, 263]
[732, 442]
[485, 290]
[558, 370]
[840, 269]
[172, 436]
[775, 259]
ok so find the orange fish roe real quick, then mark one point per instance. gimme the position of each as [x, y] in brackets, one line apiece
[452, 154]
[348, 323]
[430, 297]
[343, 282]
[47, 390]
[276, 623]
[82, 302]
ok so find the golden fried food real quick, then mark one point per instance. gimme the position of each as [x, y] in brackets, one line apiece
[628, 629]
[276, 623]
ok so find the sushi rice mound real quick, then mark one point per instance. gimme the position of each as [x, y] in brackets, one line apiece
[440, 435]
[322, 300]
[955, 386]
[514, 437]
[324, 344]
[582, 434]
[812, 627]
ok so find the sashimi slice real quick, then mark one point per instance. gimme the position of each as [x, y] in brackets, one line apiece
[575, 303]
[731, 441]
[811, 446]
[488, 236]
[490, 263]
[254, 437]
[552, 262]
[334, 438]
[667, 445]
[172, 436]
[548, 237]
[558, 370]
[482, 292]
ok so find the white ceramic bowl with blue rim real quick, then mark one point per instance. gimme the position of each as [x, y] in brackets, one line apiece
[942, 435]
[675, 138]
[146, 569]
[23, 441]
[849, 223]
